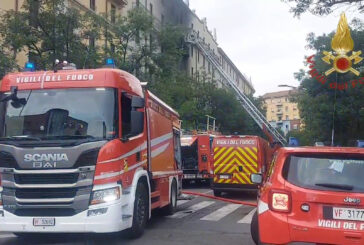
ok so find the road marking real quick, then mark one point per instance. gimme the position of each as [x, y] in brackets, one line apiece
[181, 202]
[222, 212]
[191, 210]
[7, 235]
[248, 218]
[207, 192]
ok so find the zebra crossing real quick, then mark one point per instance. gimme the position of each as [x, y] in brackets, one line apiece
[213, 211]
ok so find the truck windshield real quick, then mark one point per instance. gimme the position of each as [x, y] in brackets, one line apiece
[326, 173]
[60, 114]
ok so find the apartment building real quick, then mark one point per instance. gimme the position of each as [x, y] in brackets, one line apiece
[281, 112]
[177, 12]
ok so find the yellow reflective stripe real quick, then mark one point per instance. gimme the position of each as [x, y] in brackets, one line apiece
[247, 157]
[252, 154]
[232, 169]
[255, 149]
[246, 178]
[239, 178]
[216, 148]
[225, 161]
[217, 154]
[217, 161]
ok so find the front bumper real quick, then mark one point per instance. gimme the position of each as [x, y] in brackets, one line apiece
[233, 187]
[111, 221]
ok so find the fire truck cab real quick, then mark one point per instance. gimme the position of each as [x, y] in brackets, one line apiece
[85, 151]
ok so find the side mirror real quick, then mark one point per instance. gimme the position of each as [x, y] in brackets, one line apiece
[256, 178]
[137, 102]
[137, 123]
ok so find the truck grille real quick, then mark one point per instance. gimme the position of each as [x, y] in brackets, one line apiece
[68, 178]
[41, 212]
[46, 193]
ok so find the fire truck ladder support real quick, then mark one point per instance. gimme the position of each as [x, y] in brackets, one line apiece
[253, 111]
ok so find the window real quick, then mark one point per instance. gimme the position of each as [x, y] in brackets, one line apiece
[191, 71]
[151, 8]
[341, 173]
[113, 13]
[162, 19]
[125, 114]
[287, 117]
[92, 5]
[177, 148]
[295, 126]
[137, 3]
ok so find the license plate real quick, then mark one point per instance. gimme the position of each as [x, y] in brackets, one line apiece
[44, 221]
[224, 176]
[348, 214]
[189, 176]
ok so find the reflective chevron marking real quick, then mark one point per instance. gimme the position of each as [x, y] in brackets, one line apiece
[222, 212]
[248, 218]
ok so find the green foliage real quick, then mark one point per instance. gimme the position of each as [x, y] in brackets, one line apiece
[322, 7]
[316, 101]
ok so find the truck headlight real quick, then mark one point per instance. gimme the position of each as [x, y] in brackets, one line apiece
[105, 195]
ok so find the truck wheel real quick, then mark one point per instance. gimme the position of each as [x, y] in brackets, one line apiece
[217, 193]
[254, 229]
[172, 206]
[141, 212]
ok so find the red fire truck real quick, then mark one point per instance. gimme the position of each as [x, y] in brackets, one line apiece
[235, 158]
[85, 151]
[197, 157]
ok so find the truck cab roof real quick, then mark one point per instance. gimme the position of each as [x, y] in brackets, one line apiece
[105, 77]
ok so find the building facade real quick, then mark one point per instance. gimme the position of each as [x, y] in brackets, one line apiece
[197, 63]
[281, 112]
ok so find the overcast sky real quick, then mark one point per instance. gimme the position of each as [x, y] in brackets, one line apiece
[262, 38]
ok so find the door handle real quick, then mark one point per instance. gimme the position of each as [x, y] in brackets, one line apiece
[240, 168]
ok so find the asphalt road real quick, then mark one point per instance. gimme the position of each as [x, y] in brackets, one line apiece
[197, 221]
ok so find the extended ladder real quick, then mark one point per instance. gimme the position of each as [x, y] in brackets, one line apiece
[252, 110]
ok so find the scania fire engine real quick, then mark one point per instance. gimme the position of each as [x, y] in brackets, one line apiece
[85, 151]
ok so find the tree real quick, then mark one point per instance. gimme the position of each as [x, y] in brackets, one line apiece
[322, 107]
[47, 30]
[322, 7]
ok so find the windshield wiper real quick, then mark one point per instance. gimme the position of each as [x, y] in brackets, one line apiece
[21, 137]
[336, 186]
[68, 137]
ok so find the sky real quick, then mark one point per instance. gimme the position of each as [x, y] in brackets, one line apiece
[263, 39]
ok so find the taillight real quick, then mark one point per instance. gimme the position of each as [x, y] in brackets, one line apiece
[280, 201]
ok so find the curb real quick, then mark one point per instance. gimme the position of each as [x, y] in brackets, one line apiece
[220, 198]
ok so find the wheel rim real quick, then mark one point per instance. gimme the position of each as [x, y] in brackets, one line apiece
[141, 210]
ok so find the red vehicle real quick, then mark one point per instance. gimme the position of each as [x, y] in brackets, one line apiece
[311, 194]
[197, 157]
[235, 159]
[85, 151]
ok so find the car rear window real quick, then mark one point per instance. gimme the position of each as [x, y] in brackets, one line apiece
[343, 173]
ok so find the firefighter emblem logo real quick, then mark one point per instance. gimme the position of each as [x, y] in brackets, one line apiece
[342, 44]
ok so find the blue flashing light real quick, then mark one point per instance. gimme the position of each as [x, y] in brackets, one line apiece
[110, 62]
[29, 66]
[293, 142]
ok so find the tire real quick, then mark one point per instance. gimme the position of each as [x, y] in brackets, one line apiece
[217, 193]
[172, 206]
[254, 229]
[140, 213]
